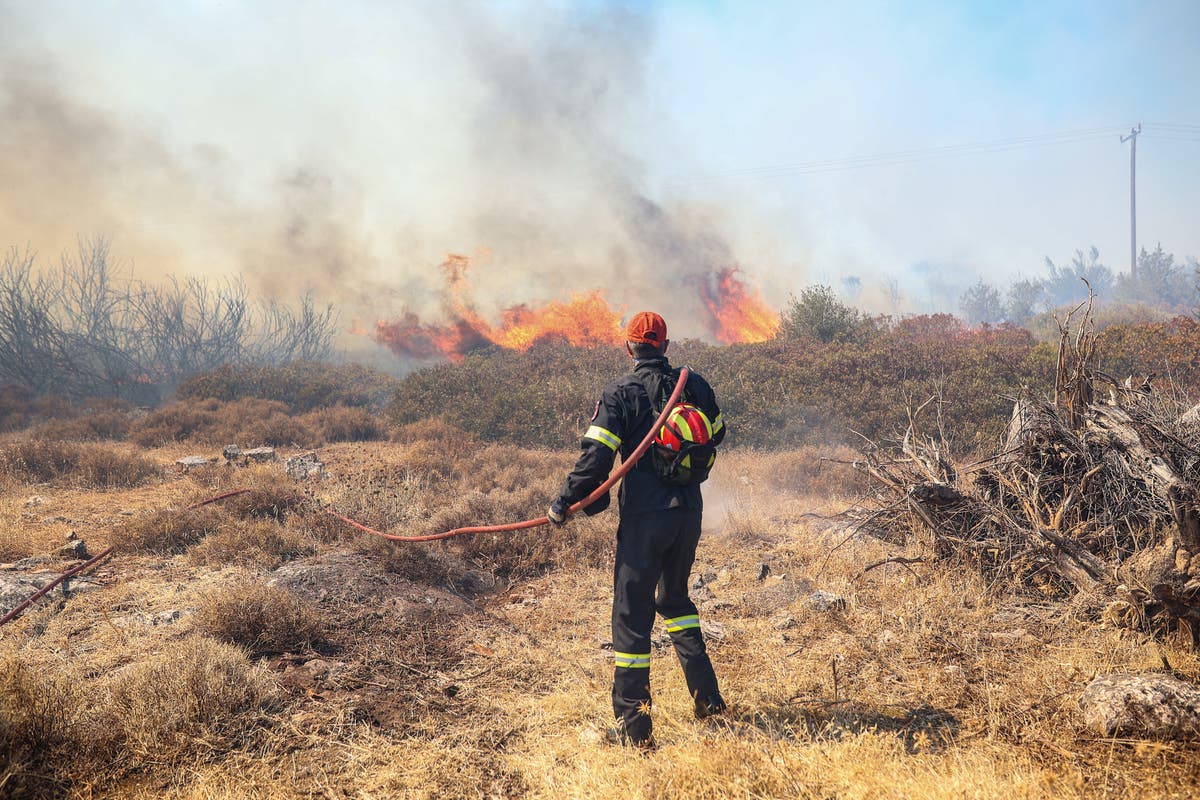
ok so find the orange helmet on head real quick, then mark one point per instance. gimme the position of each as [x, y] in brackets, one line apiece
[647, 327]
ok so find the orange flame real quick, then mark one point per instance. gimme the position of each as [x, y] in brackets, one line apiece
[586, 320]
[741, 313]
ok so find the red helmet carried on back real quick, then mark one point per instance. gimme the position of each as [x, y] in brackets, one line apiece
[685, 425]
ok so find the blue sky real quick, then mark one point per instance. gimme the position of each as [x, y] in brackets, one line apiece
[580, 144]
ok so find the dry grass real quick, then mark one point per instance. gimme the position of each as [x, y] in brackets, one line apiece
[945, 687]
[62, 729]
[261, 543]
[272, 494]
[39, 712]
[346, 424]
[196, 696]
[262, 618]
[89, 427]
[810, 470]
[92, 466]
[168, 531]
[17, 538]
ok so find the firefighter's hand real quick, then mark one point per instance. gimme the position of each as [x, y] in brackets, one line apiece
[557, 513]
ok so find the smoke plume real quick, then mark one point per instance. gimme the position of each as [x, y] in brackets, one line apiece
[347, 157]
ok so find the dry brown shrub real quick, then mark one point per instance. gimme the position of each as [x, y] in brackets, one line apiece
[414, 561]
[111, 425]
[260, 617]
[19, 408]
[275, 428]
[272, 495]
[16, 407]
[345, 424]
[452, 442]
[18, 539]
[196, 694]
[86, 465]
[176, 422]
[169, 531]
[40, 711]
[249, 422]
[262, 543]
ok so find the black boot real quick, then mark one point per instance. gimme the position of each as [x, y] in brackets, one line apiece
[708, 706]
[618, 735]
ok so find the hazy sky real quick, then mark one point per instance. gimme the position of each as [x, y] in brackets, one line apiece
[573, 145]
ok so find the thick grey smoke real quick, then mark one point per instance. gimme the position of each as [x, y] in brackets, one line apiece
[348, 156]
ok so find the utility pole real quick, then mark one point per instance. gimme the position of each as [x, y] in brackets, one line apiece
[1132, 139]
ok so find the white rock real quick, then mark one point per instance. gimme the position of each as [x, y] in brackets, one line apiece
[821, 600]
[1149, 706]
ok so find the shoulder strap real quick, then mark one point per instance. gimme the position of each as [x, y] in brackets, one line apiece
[658, 386]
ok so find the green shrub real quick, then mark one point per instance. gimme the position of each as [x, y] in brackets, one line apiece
[775, 395]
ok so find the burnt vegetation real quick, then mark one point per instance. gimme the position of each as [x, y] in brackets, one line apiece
[86, 329]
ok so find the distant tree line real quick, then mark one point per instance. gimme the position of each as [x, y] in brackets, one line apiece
[1161, 282]
[82, 330]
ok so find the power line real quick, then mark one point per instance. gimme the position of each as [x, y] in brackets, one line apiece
[1174, 126]
[913, 155]
[1168, 138]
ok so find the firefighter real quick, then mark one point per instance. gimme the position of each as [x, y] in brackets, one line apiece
[658, 530]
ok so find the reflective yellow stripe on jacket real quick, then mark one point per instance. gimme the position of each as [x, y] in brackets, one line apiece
[605, 437]
[717, 424]
[632, 660]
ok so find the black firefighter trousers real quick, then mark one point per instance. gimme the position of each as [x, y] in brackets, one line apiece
[655, 551]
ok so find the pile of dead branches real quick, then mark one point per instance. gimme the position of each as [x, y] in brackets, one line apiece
[1100, 474]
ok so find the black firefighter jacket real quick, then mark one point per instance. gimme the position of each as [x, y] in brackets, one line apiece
[623, 417]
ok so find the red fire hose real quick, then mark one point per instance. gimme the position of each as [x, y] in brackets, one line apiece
[600, 491]
[91, 562]
[619, 473]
